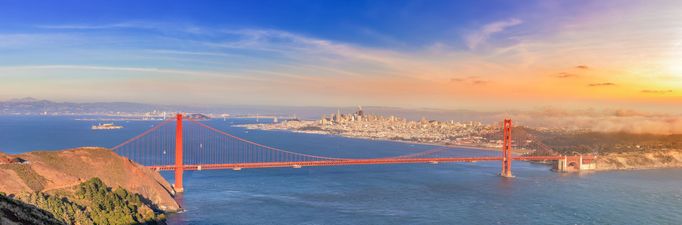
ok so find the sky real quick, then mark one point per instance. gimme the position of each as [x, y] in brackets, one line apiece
[479, 55]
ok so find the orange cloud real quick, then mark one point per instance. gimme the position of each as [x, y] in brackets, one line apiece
[565, 75]
[601, 84]
[657, 91]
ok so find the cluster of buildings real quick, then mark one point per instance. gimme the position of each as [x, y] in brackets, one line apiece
[363, 125]
[339, 118]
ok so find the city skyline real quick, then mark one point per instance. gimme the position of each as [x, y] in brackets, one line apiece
[433, 54]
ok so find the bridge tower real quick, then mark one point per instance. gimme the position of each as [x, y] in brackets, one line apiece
[506, 149]
[179, 169]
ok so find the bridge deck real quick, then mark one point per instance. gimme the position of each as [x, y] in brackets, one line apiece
[347, 162]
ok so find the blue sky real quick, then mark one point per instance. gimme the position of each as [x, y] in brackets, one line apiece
[385, 23]
[441, 54]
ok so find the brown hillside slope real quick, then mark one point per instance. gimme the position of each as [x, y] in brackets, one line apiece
[61, 170]
[640, 160]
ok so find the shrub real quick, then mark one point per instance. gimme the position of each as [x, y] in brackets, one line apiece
[95, 203]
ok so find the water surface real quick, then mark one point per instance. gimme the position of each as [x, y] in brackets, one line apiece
[465, 193]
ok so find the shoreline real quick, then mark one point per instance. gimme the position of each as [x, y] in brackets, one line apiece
[636, 169]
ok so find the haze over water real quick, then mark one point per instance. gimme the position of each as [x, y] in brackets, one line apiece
[460, 193]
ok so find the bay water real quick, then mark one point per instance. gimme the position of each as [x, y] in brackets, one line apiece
[446, 193]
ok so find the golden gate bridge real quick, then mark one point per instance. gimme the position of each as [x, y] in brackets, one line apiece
[193, 145]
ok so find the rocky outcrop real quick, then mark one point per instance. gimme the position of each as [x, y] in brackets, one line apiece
[52, 171]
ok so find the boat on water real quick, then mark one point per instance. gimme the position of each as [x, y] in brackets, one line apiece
[106, 126]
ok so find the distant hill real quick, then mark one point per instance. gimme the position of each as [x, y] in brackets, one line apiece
[32, 106]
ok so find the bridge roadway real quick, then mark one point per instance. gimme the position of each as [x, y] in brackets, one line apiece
[345, 162]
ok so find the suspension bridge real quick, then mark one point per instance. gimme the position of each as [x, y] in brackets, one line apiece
[193, 145]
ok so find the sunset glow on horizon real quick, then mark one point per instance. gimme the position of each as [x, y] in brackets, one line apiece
[431, 54]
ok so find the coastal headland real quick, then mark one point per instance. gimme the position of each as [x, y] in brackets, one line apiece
[78, 176]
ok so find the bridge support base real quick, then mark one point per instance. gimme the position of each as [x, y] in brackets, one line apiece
[507, 175]
[178, 181]
[178, 190]
[575, 164]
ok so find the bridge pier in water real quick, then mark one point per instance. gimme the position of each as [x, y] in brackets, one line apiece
[506, 149]
[179, 167]
[575, 163]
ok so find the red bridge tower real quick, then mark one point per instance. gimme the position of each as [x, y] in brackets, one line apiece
[506, 149]
[179, 169]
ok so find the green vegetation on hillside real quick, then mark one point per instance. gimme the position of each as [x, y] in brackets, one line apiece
[95, 203]
[16, 212]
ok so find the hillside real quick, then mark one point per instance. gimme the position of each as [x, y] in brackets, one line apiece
[589, 142]
[15, 212]
[61, 171]
[640, 160]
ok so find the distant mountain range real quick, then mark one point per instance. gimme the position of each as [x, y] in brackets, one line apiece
[32, 106]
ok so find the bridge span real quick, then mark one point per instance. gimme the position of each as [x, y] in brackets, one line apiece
[348, 162]
[197, 146]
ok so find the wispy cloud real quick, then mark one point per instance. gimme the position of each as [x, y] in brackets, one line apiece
[657, 91]
[290, 43]
[145, 25]
[479, 37]
[565, 75]
[289, 62]
[582, 67]
[84, 26]
[142, 70]
[605, 84]
[470, 80]
[27, 40]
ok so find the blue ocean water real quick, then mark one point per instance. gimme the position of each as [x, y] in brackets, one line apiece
[468, 193]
